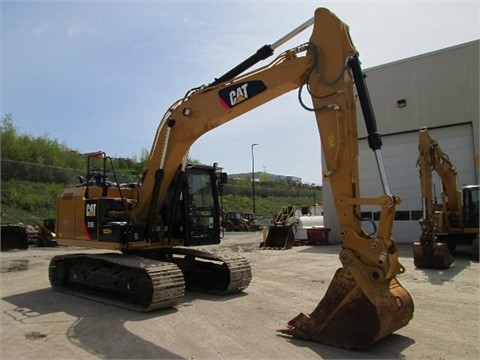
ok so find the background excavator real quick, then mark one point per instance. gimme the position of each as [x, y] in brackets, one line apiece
[294, 225]
[455, 220]
[239, 221]
[364, 302]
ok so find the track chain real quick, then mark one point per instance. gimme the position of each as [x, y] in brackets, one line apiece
[166, 278]
[238, 266]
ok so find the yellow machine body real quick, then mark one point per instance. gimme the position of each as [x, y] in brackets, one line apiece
[364, 302]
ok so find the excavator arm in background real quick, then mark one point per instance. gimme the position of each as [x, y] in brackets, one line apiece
[448, 218]
[428, 252]
[364, 302]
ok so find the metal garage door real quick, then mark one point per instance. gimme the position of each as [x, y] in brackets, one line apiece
[400, 153]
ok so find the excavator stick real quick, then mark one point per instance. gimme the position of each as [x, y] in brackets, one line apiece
[364, 301]
[279, 237]
[347, 318]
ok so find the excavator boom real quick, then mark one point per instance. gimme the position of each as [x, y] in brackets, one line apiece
[328, 68]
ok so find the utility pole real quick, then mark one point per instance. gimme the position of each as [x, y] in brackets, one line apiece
[253, 180]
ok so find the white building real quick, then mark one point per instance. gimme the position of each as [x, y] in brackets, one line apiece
[439, 90]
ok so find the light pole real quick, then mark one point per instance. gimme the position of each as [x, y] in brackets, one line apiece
[253, 180]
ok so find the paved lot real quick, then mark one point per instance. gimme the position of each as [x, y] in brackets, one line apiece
[38, 323]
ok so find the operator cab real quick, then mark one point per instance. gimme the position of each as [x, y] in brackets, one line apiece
[192, 209]
[471, 203]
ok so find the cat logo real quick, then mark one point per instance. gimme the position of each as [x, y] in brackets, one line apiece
[238, 93]
[90, 210]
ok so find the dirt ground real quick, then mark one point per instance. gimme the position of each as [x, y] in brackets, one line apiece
[39, 323]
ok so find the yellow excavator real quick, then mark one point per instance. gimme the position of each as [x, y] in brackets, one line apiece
[149, 224]
[453, 221]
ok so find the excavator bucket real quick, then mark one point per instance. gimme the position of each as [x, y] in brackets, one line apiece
[428, 252]
[435, 256]
[279, 237]
[346, 317]
[14, 237]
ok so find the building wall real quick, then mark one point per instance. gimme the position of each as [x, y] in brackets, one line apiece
[440, 90]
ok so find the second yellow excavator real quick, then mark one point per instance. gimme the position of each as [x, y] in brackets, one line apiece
[149, 225]
[455, 220]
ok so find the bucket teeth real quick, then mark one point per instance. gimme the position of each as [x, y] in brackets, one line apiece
[347, 318]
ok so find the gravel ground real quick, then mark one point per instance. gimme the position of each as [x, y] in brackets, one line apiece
[39, 323]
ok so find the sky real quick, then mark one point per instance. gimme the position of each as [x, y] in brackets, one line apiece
[99, 75]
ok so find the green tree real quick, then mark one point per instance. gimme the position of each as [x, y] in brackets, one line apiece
[264, 176]
[8, 137]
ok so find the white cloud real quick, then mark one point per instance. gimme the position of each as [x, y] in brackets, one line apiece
[39, 30]
[75, 30]
[141, 46]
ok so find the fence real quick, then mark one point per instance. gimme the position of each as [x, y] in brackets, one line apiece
[19, 170]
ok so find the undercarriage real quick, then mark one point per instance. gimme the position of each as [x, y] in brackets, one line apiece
[148, 280]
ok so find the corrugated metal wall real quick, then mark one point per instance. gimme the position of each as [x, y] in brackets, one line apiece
[440, 90]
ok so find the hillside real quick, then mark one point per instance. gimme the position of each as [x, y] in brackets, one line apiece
[30, 202]
[34, 170]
